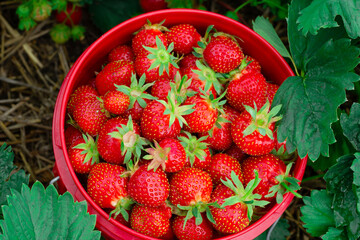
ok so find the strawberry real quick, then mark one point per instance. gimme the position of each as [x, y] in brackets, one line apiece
[205, 112]
[152, 5]
[148, 187]
[252, 65]
[197, 151]
[193, 231]
[80, 93]
[253, 131]
[236, 202]
[156, 62]
[188, 61]
[71, 16]
[108, 188]
[71, 135]
[118, 72]
[246, 89]
[89, 114]
[163, 119]
[150, 221]
[275, 177]
[121, 52]
[41, 10]
[119, 139]
[235, 152]
[184, 37]
[83, 154]
[271, 89]
[221, 167]
[168, 153]
[161, 88]
[116, 102]
[222, 53]
[138, 96]
[146, 37]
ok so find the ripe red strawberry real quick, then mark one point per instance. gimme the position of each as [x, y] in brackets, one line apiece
[168, 153]
[222, 53]
[197, 151]
[156, 62]
[146, 36]
[80, 93]
[246, 89]
[114, 133]
[118, 72]
[71, 16]
[108, 188]
[221, 167]
[252, 65]
[153, 5]
[121, 52]
[188, 61]
[193, 231]
[274, 176]
[83, 154]
[116, 102]
[161, 88]
[236, 203]
[235, 152]
[89, 114]
[149, 187]
[71, 135]
[150, 221]
[271, 89]
[184, 37]
[253, 131]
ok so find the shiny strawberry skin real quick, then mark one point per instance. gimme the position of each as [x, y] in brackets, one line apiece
[155, 125]
[149, 187]
[150, 221]
[271, 89]
[116, 102]
[80, 93]
[203, 231]
[190, 186]
[71, 135]
[223, 54]
[230, 219]
[268, 167]
[90, 115]
[221, 167]
[203, 118]
[121, 52]
[188, 60]
[110, 148]
[176, 158]
[235, 152]
[245, 90]
[253, 144]
[161, 88]
[105, 185]
[135, 112]
[77, 159]
[118, 72]
[147, 37]
[184, 37]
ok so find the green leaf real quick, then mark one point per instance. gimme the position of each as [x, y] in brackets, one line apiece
[351, 125]
[317, 213]
[9, 179]
[265, 29]
[339, 182]
[334, 233]
[310, 102]
[280, 231]
[40, 213]
[322, 14]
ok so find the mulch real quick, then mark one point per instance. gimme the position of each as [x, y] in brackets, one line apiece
[32, 69]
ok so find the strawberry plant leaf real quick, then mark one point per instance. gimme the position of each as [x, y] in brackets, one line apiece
[340, 183]
[335, 233]
[281, 231]
[9, 179]
[265, 29]
[350, 124]
[322, 13]
[317, 213]
[40, 213]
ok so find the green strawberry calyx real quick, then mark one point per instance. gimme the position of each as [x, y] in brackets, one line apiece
[157, 155]
[162, 57]
[262, 119]
[181, 86]
[89, 149]
[286, 184]
[198, 51]
[122, 207]
[243, 195]
[132, 143]
[194, 147]
[209, 76]
[137, 91]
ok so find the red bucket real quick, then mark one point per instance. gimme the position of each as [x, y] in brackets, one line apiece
[274, 67]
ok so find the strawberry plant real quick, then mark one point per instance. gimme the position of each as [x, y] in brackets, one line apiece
[323, 41]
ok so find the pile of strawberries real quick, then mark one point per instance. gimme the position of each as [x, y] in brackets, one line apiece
[176, 136]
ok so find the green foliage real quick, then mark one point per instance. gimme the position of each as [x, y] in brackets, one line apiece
[9, 177]
[195, 4]
[106, 14]
[281, 231]
[351, 124]
[322, 14]
[40, 213]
